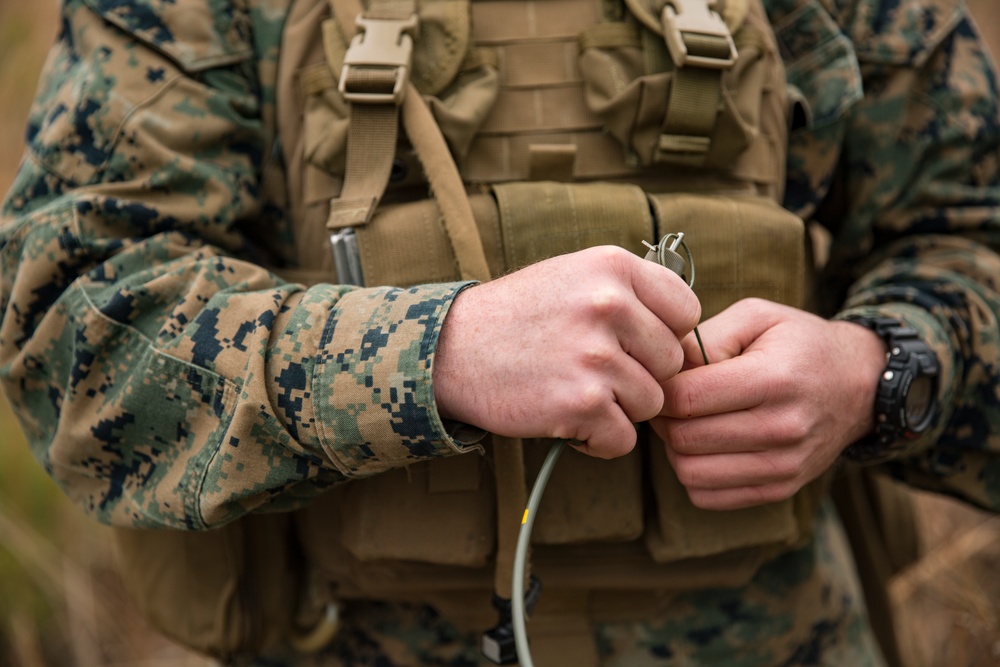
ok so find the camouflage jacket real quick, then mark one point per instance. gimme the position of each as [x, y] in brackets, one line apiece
[164, 378]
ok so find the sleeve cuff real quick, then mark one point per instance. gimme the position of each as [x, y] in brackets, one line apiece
[374, 399]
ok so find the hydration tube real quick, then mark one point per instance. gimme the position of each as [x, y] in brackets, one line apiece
[665, 254]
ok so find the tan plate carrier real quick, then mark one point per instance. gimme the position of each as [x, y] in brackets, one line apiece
[540, 127]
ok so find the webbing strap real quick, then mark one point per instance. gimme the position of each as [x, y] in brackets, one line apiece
[691, 113]
[373, 88]
[446, 184]
[701, 47]
[371, 145]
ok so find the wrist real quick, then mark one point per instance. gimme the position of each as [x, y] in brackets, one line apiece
[449, 359]
[867, 355]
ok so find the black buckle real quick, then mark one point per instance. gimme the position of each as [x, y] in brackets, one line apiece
[497, 643]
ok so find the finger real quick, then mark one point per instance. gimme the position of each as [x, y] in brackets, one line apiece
[742, 497]
[740, 383]
[729, 333]
[607, 438]
[601, 413]
[651, 343]
[755, 430]
[667, 296]
[729, 471]
[638, 393]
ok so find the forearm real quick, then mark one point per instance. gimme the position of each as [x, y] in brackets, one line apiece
[927, 198]
[163, 377]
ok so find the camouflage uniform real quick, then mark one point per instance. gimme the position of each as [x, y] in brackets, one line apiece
[165, 379]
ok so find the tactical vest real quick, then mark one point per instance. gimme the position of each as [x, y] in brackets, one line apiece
[541, 127]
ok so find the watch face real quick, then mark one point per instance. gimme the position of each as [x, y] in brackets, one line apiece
[918, 402]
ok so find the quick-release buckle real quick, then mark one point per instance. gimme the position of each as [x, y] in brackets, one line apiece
[381, 44]
[695, 18]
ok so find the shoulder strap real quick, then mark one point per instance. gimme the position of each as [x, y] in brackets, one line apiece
[446, 185]
[375, 80]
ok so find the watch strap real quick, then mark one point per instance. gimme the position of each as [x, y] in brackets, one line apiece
[908, 356]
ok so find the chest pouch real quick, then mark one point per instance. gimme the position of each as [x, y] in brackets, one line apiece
[677, 83]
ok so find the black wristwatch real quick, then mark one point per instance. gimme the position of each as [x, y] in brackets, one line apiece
[906, 399]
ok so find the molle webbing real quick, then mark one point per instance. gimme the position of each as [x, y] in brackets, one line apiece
[541, 97]
[579, 98]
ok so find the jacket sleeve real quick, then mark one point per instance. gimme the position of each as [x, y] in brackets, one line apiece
[916, 221]
[162, 376]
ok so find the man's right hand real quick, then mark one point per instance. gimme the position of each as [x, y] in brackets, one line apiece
[572, 347]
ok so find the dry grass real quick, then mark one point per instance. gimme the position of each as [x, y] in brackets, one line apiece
[61, 603]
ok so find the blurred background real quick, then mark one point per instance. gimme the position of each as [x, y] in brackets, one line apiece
[61, 603]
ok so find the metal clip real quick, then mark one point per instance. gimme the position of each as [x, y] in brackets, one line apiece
[346, 257]
[381, 44]
[695, 18]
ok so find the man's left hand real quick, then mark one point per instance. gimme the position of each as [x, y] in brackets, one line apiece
[784, 393]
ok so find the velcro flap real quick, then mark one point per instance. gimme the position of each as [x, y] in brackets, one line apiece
[545, 219]
[743, 246]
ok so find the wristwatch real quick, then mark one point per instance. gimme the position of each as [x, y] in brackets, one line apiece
[906, 398]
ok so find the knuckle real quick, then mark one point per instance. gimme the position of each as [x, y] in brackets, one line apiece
[793, 428]
[672, 359]
[677, 436]
[599, 356]
[606, 303]
[679, 401]
[611, 253]
[644, 406]
[778, 466]
[588, 400]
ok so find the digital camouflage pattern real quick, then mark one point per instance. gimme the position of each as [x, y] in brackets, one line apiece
[165, 379]
[140, 209]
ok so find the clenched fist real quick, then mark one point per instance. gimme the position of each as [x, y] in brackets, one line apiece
[572, 347]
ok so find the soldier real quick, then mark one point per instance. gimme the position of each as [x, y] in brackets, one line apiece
[301, 466]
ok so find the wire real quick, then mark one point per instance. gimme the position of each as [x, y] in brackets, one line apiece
[521, 555]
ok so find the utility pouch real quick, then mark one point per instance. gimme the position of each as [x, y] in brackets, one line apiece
[669, 106]
[521, 223]
[442, 512]
[744, 246]
[586, 499]
[227, 592]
